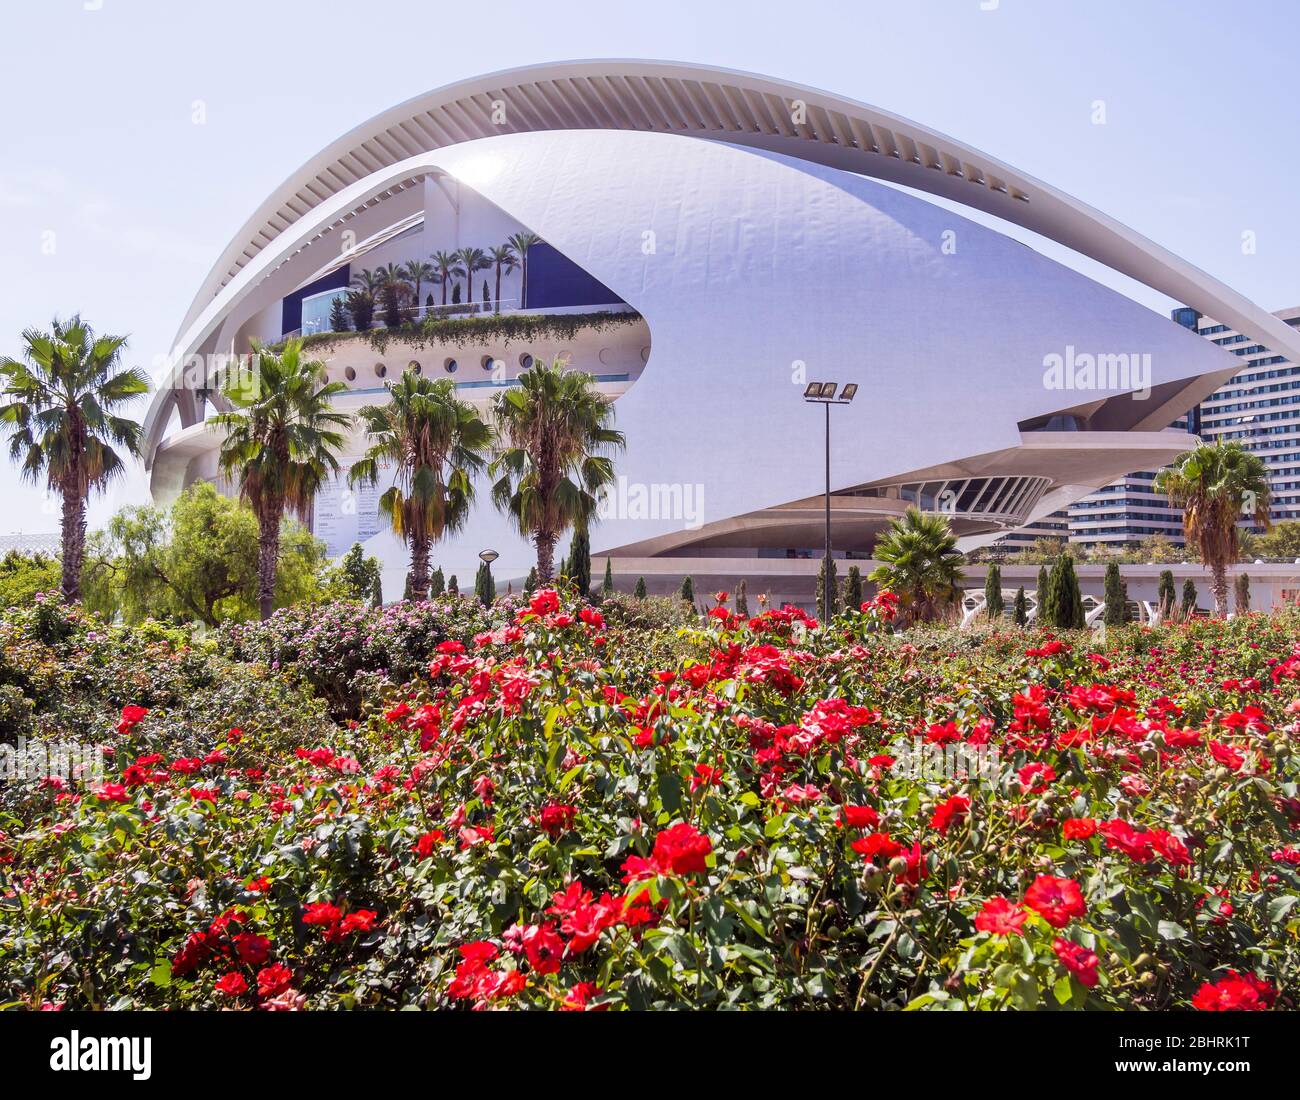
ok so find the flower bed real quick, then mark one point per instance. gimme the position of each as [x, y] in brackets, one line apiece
[761, 814]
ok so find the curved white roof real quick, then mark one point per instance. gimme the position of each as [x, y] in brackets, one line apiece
[726, 105]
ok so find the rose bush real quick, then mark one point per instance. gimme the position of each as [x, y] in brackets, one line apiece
[759, 813]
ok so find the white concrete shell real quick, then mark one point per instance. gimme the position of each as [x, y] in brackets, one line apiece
[757, 260]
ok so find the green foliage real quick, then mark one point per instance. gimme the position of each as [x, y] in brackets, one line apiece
[823, 612]
[453, 586]
[1189, 597]
[640, 591]
[462, 805]
[1282, 541]
[1116, 598]
[63, 414]
[485, 587]
[993, 603]
[852, 589]
[607, 585]
[530, 582]
[577, 567]
[687, 591]
[1020, 609]
[197, 561]
[1166, 593]
[557, 439]
[1065, 600]
[24, 575]
[359, 576]
[742, 594]
[435, 444]
[339, 320]
[920, 564]
[483, 328]
[437, 584]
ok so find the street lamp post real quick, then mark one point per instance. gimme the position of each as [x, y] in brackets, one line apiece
[823, 393]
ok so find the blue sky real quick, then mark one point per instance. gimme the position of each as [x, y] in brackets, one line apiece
[114, 201]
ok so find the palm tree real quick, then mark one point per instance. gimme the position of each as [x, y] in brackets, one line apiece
[394, 292]
[63, 424]
[437, 444]
[472, 260]
[554, 425]
[282, 440]
[370, 281]
[920, 563]
[1215, 484]
[521, 242]
[503, 259]
[447, 266]
[417, 273]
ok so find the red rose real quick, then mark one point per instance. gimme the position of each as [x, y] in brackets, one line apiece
[1078, 960]
[1056, 900]
[1000, 917]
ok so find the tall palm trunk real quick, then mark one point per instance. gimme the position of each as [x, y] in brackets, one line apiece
[498, 307]
[73, 527]
[1219, 587]
[419, 565]
[523, 281]
[545, 542]
[268, 559]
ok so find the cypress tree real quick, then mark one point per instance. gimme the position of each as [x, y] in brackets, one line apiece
[530, 582]
[1165, 592]
[406, 592]
[1064, 598]
[1043, 594]
[1189, 597]
[437, 585]
[687, 592]
[453, 586]
[1242, 593]
[577, 567]
[1021, 607]
[853, 589]
[994, 605]
[1116, 613]
[742, 597]
[607, 586]
[639, 593]
[485, 588]
[823, 612]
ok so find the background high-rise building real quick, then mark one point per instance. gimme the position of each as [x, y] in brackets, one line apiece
[1258, 407]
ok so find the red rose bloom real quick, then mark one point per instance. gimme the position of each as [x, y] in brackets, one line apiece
[1000, 917]
[1078, 960]
[1056, 900]
[273, 980]
[681, 850]
[232, 984]
[1078, 828]
[1235, 993]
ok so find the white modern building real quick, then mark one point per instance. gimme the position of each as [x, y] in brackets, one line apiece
[713, 241]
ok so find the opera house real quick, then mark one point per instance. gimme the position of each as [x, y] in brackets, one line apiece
[707, 243]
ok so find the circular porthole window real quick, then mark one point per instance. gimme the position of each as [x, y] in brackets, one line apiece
[450, 366]
[525, 361]
[414, 367]
[380, 370]
[487, 363]
[350, 373]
